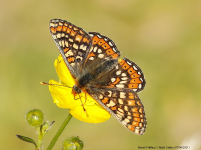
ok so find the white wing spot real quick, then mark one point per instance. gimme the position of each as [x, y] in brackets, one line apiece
[110, 43]
[100, 96]
[84, 48]
[121, 110]
[66, 43]
[141, 79]
[113, 79]
[101, 55]
[122, 82]
[105, 39]
[139, 72]
[91, 58]
[69, 53]
[62, 35]
[98, 35]
[114, 49]
[137, 131]
[129, 63]
[91, 34]
[60, 43]
[63, 43]
[75, 46]
[123, 74]
[99, 50]
[118, 72]
[53, 24]
[126, 120]
[58, 35]
[110, 93]
[122, 95]
[111, 103]
[95, 49]
[120, 101]
[118, 112]
[124, 78]
[134, 67]
[120, 85]
[126, 109]
[71, 40]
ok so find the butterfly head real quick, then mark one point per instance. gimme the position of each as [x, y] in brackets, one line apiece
[76, 90]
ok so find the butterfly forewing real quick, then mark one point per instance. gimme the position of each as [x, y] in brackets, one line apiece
[73, 43]
[124, 105]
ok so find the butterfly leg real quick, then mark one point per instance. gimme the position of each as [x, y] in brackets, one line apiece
[81, 102]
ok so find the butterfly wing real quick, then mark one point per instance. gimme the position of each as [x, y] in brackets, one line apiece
[124, 105]
[126, 75]
[102, 48]
[73, 43]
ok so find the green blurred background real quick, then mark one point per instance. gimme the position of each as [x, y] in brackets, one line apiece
[162, 36]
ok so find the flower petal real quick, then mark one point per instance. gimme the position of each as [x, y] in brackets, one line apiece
[63, 72]
[62, 95]
[93, 114]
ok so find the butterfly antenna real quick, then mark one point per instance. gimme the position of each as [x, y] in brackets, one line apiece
[44, 83]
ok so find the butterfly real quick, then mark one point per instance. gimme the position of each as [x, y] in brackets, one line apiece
[94, 62]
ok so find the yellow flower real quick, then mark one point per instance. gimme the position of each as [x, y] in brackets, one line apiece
[63, 97]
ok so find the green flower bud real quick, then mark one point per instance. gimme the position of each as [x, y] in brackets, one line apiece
[73, 143]
[45, 127]
[35, 117]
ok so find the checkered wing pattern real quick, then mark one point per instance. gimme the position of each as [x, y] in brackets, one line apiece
[103, 56]
[124, 105]
[72, 42]
[127, 75]
[102, 48]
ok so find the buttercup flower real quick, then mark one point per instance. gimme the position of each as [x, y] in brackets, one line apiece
[82, 106]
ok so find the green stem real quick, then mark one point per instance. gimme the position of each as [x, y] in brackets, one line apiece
[40, 138]
[59, 132]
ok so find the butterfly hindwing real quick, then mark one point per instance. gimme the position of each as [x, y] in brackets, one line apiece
[127, 75]
[124, 105]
